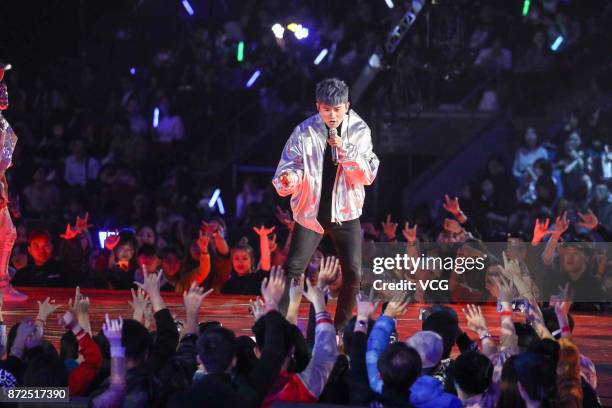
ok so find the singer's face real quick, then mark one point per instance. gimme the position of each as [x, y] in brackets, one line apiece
[332, 115]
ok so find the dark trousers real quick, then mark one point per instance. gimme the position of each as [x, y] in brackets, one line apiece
[346, 238]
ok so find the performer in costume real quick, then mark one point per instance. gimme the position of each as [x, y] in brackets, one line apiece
[8, 234]
[324, 166]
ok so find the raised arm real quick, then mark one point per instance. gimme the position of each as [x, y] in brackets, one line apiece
[290, 171]
[264, 246]
[114, 395]
[561, 225]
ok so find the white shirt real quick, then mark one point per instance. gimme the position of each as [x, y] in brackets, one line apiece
[525, 159]
[76, 173]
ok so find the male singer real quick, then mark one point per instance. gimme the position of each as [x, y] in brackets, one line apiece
[324, 166]
[8, 234]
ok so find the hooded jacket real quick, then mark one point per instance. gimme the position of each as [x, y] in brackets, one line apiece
[303, 158]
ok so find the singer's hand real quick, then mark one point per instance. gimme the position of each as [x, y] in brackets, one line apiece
[287, 179]
[335, 141]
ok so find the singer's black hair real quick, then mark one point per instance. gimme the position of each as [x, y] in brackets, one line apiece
[332, 91]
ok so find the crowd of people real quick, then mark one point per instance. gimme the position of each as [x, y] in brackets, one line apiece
[129, 362]
[90, 159]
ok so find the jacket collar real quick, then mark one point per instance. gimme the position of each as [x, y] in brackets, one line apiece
[321, 129]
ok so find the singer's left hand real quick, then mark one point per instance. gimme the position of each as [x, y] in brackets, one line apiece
[335, 141]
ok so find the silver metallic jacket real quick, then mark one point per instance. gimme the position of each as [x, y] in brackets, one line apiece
[303, 155]
[8, 140]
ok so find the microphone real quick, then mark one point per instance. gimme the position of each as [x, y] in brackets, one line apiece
[332, 132]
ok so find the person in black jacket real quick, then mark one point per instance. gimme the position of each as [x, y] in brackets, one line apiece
[216, 349]
[146, 358]
[43, 270]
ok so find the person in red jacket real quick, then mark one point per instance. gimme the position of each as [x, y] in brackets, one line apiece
[308, 385]
[81, 377]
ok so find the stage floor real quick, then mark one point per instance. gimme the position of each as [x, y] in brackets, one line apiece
[593, 331]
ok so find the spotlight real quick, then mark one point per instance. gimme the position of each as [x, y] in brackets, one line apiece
[389, 3]
[278, 31]
[301, 33]
[133, 71]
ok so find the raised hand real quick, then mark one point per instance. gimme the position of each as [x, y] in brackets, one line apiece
[203, 241]
[410, 233]
[263, 231]
[273, 288]
[113, 329]
[208, 229]
[111, 241]
[540, 230]
[389, 228]
[397, 306]
[80, 304]
[365, 307]
[149, 317]
[257, 308]
[151, 281]
[151, 285]
[82, 224]
[26, 329]
[475, 319]
[451, 205]
[139, 302]
[588, 220]
[288, 179]
[328, 271]
[80, 307]
[563, 301]
[70, 233]
[272, 243]
[511, 267]
[296, 290]
[315, 295]
[506, 291]
[193, 298]
[67, 320]
[561, 225]
[285, 217]
[45, 308]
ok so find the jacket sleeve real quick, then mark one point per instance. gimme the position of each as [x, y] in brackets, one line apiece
[291, 161]
[81, 377]
[266, 370]
[377, 343]
[187, 354]
[165, 344]
[359, 388]
[358, 161]
[324, 355]
[568, 373]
